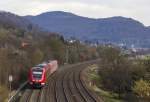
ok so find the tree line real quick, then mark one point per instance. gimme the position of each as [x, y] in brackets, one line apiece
[20, 50]
[120, 74]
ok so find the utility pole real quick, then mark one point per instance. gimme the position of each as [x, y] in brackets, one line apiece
[67, 50]
[67, 54]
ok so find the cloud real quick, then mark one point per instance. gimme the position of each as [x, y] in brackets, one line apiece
[138, 9]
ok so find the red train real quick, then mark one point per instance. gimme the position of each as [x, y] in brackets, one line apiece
[38, 74]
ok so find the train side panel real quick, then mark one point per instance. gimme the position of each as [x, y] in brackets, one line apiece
[53, 66]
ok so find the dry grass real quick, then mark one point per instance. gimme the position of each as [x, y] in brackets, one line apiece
[3, 94]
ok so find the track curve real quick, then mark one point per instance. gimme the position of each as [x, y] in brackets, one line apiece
[65, 85]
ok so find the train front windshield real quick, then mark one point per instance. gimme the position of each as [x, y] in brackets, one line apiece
[37, 74]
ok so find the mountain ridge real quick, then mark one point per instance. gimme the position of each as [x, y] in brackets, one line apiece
[115, 29]
[15, 21]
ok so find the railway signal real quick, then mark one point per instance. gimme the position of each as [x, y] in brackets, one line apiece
[10, 78]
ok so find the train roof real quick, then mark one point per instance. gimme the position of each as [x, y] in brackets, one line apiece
[36, 67]
[41, 65]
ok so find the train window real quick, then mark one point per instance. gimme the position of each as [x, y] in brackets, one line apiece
[37, 76]
[37, 73]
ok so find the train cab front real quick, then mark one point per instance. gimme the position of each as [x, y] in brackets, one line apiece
[37, 79]
[37, 84]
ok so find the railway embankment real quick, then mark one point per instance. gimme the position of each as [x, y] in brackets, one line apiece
[93, 80]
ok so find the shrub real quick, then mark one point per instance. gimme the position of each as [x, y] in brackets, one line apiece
[142, 88]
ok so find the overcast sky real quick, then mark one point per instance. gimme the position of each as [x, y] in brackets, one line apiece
[137, 9]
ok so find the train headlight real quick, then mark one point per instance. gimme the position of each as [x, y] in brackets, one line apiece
[43, 83]
[31, 83]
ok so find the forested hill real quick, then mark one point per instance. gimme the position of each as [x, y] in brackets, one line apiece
[113, 29]
[8, 19]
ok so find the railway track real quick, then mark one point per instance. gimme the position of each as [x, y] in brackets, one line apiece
[66, 85]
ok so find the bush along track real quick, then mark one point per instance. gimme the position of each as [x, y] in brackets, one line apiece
[93, 81]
